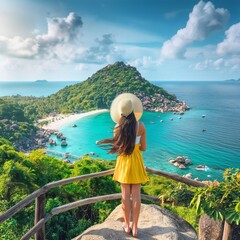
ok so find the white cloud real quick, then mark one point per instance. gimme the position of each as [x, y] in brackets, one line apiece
[145, 62]
[103, 51]
[219, 63]
[203, 20]
[63, 41]
[203, 65]
[18, 47]
[81, 67]
[62, 30]
[232, 64]
[231, 44]
[62, 33]
[203, 52]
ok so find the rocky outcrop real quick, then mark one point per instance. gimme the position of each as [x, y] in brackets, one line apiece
[180, 162]
[154, 223]
[158, 103]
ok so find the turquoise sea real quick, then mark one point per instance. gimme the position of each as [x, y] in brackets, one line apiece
[37, 89]
[218, 146]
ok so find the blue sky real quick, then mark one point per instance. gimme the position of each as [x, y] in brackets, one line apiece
[166, 40]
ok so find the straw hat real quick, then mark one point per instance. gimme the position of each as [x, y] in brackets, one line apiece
[124, 104]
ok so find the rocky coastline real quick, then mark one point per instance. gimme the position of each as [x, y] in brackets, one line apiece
[159, 103]
[40, 137]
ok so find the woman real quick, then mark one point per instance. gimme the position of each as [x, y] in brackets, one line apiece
[128, 142]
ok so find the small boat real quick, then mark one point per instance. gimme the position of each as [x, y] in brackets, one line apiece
[203, 116]
[202, 167]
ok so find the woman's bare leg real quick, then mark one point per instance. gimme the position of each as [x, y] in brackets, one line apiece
[136, 206]
[126, 205]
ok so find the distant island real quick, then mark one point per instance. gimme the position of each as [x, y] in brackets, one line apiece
[41, 81]
[233, 80]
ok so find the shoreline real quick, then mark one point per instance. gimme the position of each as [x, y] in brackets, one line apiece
[62, 119]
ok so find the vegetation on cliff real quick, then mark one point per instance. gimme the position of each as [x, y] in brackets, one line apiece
[101, 88]
[98, 91]
[15, 126]
[17, 113]
[21, 174]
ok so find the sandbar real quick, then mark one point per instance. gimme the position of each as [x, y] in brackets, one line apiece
[55, 122]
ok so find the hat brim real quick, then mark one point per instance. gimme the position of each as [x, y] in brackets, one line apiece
[136, 103]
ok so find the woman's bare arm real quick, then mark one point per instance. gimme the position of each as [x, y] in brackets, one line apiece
[143, 142]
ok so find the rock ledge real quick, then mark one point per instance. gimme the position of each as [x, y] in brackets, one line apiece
[154, 223]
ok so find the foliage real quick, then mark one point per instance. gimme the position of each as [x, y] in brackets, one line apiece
[186, 213]
[220, 200]
[157, 185]
[14, 124]
[21, 174]
[96, 92]
[11, 110]
[173, 196]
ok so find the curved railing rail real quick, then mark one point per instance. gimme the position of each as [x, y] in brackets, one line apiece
[39, 196]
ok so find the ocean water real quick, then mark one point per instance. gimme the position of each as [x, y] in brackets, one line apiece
[37, 89]
[218, 146]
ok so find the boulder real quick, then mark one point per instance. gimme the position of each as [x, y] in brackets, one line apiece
[188, 175]
[154, 223]
[176, 164]
[63, 143]
[182, 166]
[180, 159]
[187, 161]
[171, 160]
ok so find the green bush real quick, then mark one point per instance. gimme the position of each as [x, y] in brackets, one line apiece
[220, 201]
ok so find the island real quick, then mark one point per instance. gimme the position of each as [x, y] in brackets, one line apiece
[233, 80]
[96, 93]
[41, 81]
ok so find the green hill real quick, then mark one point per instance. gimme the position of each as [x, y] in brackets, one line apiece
[101, 88]
[98, 91]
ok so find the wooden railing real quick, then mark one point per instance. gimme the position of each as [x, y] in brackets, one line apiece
[40, 198]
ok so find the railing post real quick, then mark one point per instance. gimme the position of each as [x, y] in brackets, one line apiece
[226, 231]
[39, 214]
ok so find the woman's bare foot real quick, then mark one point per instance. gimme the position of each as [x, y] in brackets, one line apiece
[127, 229]
[134, 233]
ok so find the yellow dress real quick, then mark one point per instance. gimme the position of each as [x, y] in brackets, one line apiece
[130, 168]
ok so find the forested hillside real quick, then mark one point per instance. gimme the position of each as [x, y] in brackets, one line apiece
[21, 174]
[101, 88]
[98, 91]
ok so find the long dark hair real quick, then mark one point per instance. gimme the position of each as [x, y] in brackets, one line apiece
[124, 138]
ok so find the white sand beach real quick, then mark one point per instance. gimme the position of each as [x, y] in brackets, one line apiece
[60, 120]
